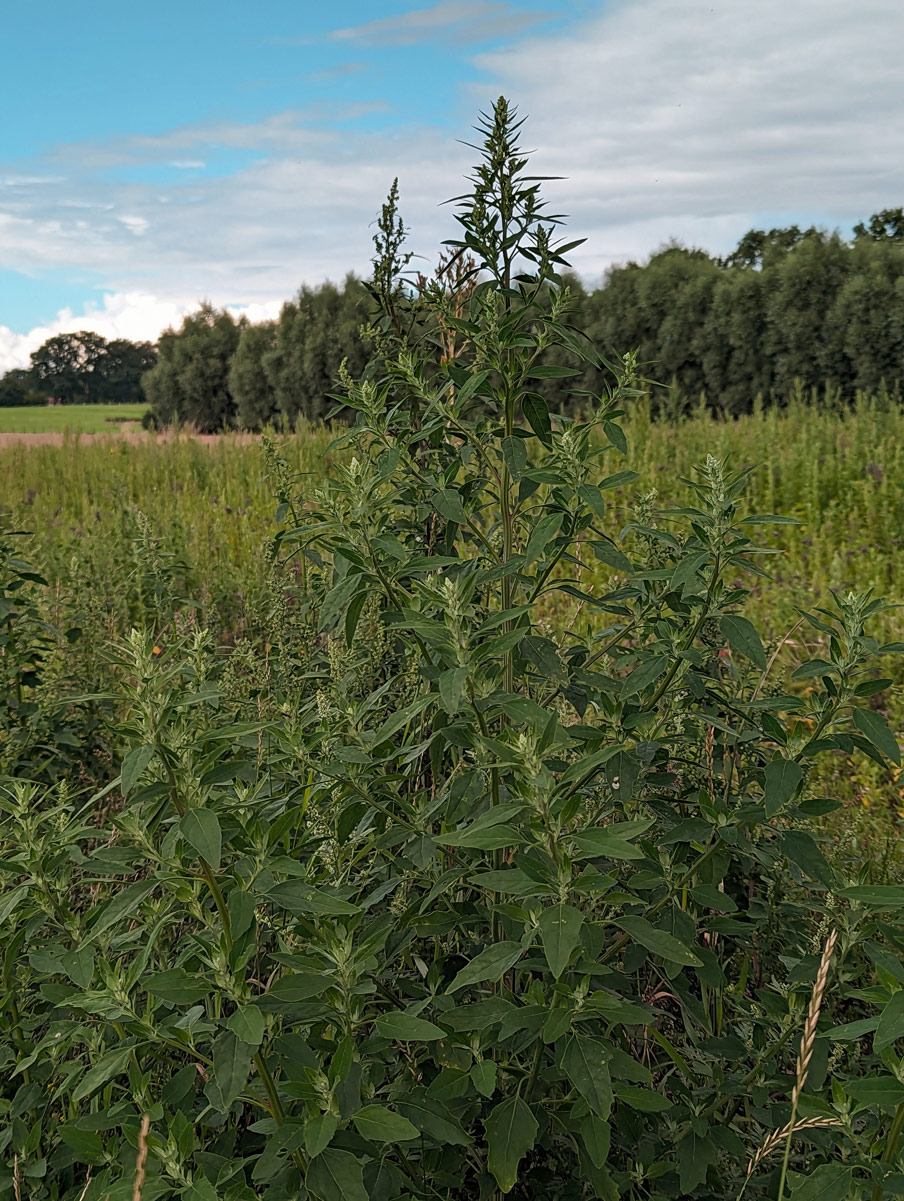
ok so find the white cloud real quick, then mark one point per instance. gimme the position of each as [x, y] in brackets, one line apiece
[465, 21]
[686, 118]
[139, 316]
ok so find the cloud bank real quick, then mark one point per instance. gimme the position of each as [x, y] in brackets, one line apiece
[669, 118]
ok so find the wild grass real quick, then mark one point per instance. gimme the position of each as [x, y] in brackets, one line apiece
[840, 473]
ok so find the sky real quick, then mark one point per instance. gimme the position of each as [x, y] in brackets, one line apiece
[153, 156]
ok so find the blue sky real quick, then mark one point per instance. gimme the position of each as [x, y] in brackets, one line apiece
[152, 156]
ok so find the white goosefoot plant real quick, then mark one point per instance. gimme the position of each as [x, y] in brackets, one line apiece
[503, 878]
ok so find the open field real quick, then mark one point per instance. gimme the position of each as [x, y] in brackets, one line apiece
[85, 419]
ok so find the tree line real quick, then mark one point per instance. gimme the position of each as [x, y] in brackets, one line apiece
[788, 309]
[81, 368]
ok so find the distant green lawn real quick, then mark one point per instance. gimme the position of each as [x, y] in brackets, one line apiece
[86, 419]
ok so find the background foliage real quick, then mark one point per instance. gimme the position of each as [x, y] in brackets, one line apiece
[484, 853]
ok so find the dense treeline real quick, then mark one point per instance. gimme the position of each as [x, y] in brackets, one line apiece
[81, 368]
[788, 309]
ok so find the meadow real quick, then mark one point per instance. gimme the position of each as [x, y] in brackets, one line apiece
[59, 419]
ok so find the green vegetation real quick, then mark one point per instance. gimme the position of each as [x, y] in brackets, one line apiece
[83, 419]
[464, 828]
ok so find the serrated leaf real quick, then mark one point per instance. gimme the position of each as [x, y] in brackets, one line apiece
[584, 1062]
[741, 635]
[874, 726]
[560, 932]
[660, 942]
[405, 1027]
[511, 1130]
[489, 966]
[382, 1125]
[783, 778]
[336, 1176]
[201, 830]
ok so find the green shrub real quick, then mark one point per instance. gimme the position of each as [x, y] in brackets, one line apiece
[441, 896]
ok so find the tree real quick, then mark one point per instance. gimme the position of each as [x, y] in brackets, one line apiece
[190, 381]
[251, 389]
[17, 388]
[116, 378]
[63, 366]
[885, 226]
[316, 332]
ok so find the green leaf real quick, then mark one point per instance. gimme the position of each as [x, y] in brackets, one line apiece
[814, 667]
[299, 897]
[451, 688]
[433, 1119]
[560, 932]
[536, 413]
[876, 896]
[114, 1063]
[511, 1130]
[801, 848]
[831, 1182]
[121, 906]
[514, 452]
[12, 900]
[177, 986]
[382, 1125]
[593, 844]
[133, 765]
[783, 777]
[339, 597]
[490, 965]
[545, 529]
[741, 636]
[405, 1027]
[231, 1065]
[336, 1176]
[248, 1024]
[883, 1091]
[695, 1154]
[584, 1062]
[298, 986]
[644, 675]
[318, 1133]
[891, 1023]
[876, 729]
[596, 1136]
[201, 830]
[658, 941]
[448, 504]
[483, 1077]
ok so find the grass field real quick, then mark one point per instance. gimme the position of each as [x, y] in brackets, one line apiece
[210, 511]
[83, 419]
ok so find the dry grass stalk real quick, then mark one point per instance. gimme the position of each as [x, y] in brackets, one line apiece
[142, 1159]
[17, 1178]
[775, 1140]
[808, 1038]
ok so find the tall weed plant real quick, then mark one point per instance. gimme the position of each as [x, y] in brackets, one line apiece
[439, 894]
